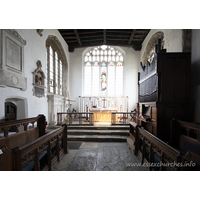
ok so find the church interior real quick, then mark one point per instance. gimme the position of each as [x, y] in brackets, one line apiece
[104, 85]
[90, 113]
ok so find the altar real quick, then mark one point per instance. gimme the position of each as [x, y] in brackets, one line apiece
[103, 115]
[102, 107]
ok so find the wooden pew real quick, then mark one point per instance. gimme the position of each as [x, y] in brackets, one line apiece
[134, 136]
[29, 155]
[10, 141]
[185, 137]
[161, 154]
[20, 138]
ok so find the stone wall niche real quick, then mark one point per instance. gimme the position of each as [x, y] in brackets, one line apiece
[38, 81]
[12, 60]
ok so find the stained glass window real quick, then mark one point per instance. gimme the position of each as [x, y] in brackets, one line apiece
[104, 78]
[103, 72]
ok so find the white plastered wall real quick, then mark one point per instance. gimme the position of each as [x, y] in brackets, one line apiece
[34, 50]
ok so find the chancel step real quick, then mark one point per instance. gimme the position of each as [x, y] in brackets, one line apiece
[110, 127]
[100, 133]
[96, 138]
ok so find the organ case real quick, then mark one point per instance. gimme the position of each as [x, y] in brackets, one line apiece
[164, 92]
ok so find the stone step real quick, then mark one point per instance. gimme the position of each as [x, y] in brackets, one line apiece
[99, 127]
[96, 138]
[97, 132]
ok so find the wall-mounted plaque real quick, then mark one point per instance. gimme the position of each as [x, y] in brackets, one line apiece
[12, 59]
[39, 91]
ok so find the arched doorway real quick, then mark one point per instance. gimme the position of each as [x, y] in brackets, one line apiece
[16, 108]
[10, 111]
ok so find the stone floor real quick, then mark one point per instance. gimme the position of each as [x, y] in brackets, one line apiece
[99, 156]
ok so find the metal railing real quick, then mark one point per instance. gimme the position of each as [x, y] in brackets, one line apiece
[75, 118]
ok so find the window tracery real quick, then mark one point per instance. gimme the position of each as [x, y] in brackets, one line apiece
[54, 71]
[103, 72]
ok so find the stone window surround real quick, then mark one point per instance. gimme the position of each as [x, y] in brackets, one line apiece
[57, 46]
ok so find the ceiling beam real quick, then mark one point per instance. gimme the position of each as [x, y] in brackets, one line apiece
[117, 35]
[77, 36]
[90, 36]
[119, 31]
[136, 46]
[132, 35]
[86, 31]
[104, 36]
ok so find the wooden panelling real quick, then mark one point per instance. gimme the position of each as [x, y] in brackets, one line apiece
[173, 73]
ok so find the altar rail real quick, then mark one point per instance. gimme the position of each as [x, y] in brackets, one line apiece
[75, 118]
[116, 103]
[122, 118]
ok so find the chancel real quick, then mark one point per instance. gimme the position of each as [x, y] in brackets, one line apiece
[114, 95]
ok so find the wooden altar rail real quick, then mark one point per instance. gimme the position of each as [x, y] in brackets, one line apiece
[122, 116]
[31, 151]
[88, 116]
[168, 155]
[13, 125]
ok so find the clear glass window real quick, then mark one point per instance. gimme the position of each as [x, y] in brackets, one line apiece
[54, 71]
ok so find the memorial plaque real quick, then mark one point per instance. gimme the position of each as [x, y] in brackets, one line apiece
[39, 91]
[13, 55]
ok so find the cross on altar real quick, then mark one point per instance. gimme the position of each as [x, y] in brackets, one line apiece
[104, 102]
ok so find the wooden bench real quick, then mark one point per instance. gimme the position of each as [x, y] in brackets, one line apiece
[185, 137]
[11, 137]
[42, 153]
[12, 141]
[134, 136]
[152, 150]
[156, 152]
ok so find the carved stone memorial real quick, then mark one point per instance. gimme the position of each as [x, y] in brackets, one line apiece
[12, 59]
[38, 81]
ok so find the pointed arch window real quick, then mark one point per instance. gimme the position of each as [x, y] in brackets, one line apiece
[103, 72]
[54, 71]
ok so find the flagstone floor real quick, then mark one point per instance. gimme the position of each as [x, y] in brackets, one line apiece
[99, 156]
